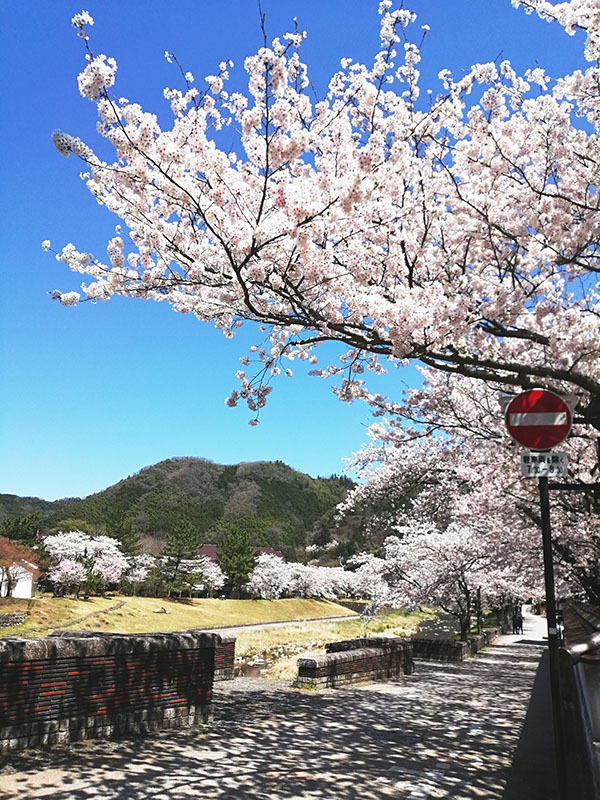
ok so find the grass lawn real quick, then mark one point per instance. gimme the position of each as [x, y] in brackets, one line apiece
[136, 614]
[279, 647]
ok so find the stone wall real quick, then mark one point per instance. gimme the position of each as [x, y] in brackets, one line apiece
[225, 658]
[450, 649]
[481, 640]
[356, 660]
[13, 618]
[439, 649]
[64, 689]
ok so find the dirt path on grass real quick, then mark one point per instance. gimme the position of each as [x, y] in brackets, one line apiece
[79, 620]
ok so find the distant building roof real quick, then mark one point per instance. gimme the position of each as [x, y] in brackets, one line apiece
[210, 551]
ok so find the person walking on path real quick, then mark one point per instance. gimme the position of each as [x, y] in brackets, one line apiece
[515, 622]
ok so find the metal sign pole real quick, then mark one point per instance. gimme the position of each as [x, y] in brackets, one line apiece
[557, 719]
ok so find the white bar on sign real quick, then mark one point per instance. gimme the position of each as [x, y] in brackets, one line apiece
[539, 418]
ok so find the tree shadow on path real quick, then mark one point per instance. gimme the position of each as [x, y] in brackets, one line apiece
[448, 731]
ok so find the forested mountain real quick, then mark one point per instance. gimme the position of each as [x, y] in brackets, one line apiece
[282, 508]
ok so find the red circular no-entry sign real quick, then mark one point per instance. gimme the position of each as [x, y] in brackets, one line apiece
[538, 419]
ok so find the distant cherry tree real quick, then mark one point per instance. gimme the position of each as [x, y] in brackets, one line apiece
[213, 577]
[98, 556]
[273, 577]
[270, 578]
[139, 568]
[68, 575]
[110, 568]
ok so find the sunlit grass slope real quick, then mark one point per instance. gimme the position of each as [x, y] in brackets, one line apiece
[137, 614]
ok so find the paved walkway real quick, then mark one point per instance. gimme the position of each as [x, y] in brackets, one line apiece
[235, 630]
[448, 731]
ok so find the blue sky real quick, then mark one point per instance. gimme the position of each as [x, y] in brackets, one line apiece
[94, 393]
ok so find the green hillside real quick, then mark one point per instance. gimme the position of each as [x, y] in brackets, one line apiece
[280, 506]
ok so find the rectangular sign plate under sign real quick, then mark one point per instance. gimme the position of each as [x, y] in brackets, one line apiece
[534, 465]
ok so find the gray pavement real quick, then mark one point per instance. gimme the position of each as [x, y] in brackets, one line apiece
[448, 731]
[235, 630]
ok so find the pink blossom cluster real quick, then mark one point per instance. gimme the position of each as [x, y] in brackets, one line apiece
[84, 18]
[204, 574]
[84, 556]
[273, 577]
[68, 572]
[98, 76]
[110, 567]
[453, 234]
[139, 568]
[76, 544]
[443, 457]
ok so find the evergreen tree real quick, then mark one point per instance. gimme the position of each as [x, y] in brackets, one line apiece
[68, 525]
[182, 544]
[21, 529]
[125, 531]
[234, 552]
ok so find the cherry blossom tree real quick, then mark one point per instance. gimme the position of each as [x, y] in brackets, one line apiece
[270, 578]
[449, 569]
[69, 544]
[459, 231]
[313, 580]
[460, 541]
[213, 577]
[68, 574]
[99, 557]
[193, 575]
[273, 576]
[370, 580]
[110, 568]
[139, 569]
[444, 459]
[77, 544]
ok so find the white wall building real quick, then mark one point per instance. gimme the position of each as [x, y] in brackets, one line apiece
[23, 576]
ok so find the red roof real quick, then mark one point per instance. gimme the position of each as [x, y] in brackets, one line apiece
[208, 550]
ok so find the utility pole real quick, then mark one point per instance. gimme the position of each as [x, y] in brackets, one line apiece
[557, 717]
[540, 420]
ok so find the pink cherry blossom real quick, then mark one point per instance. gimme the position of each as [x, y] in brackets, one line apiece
[273, 576]
[461, 235]
[435, 234]
[67, 573]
